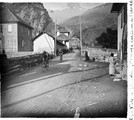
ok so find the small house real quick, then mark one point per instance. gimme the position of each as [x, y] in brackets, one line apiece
[63, 35]
[74, 42]
[45, 42]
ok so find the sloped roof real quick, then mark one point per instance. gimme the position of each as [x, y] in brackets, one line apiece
[41, 33]
[63, 30]
[9, 16]
[62, 37]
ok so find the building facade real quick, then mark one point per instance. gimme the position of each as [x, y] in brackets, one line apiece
[121, 10]
[63, 35]
[74, 42]
[16, 34]
[45, 42]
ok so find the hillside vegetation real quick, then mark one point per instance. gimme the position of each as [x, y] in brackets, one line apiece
[94, 22]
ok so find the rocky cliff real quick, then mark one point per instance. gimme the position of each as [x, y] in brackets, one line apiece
[33, 13]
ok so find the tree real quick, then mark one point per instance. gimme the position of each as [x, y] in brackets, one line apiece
[108, 39]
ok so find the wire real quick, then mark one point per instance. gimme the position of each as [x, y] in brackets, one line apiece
[48, 42]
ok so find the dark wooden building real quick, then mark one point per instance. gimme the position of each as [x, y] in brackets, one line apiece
[16, 33]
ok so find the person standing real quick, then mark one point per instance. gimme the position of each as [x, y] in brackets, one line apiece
[86, 56]
[61, 54]
[112, 65]
[3, 63]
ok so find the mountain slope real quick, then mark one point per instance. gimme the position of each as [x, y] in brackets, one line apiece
[62, 15]
[94, 22]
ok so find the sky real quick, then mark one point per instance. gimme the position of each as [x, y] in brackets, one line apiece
[60, 6]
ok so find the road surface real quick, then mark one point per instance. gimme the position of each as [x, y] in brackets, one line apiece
[71, 88]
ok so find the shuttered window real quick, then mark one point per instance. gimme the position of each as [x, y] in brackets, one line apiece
[9, 28]
[22, 43]
[1, 31]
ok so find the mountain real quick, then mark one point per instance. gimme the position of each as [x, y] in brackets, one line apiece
[64, 14]
[33, 13]
[94, 22]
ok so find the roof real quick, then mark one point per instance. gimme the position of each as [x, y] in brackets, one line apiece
[62, 37]
[95, 47]
[63, 30]
[41, 33]
[116, 7]
[37, 36]
[9, 16]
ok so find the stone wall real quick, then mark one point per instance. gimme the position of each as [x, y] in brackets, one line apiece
[99, 54]
[18, 54]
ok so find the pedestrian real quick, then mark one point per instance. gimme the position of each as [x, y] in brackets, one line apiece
[86, 56]
[112, 64]
[3, 64]
[71, 49]
[61, 54]
[45, 60]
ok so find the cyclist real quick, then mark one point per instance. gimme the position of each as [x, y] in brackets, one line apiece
[45, 60]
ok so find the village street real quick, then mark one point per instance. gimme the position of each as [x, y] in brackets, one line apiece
[69, 88]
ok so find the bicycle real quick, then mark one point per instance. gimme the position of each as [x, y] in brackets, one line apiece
[45, 66]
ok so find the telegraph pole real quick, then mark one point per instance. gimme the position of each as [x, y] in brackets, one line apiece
[80, 30]
[80, 34]
[55, 46]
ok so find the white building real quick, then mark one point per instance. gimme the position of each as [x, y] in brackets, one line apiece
[43, 42]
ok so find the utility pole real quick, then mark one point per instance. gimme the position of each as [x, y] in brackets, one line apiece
[80, 34]
[55, 45]
[80, 30]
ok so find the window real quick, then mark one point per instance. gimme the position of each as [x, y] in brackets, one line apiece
[9, 28]
[1, 29]
[22, 43]
[28, 32]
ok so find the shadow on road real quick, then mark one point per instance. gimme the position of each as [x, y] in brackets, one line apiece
[64, 69]
[84, 80]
